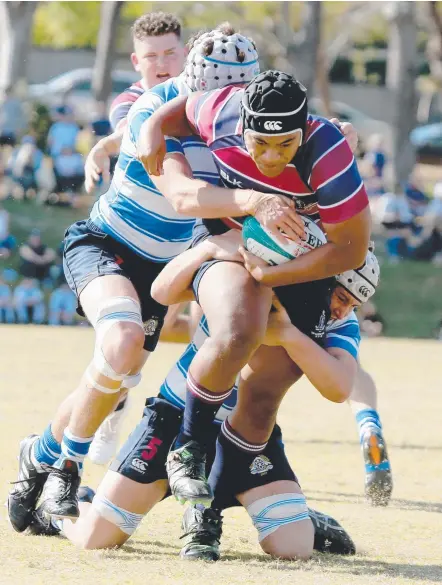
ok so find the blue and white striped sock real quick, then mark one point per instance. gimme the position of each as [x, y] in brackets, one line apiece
[368, 421]
[73, 448]
[46, 449]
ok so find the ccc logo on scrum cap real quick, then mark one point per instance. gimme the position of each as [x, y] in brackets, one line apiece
[364, 291]
[273, 125]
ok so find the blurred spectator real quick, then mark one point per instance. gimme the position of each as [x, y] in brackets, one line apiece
[69, 171]
[374, 163]
[29, 302]
[12, 118]
[371, 322]
[23, 166]
[7, 241]
[394, 214]
[7, 314]
[36, 257]
[429, 244]
[100, 125]
[62, 306]
[63, 133]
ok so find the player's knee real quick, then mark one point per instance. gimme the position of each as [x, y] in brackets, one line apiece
[283, 524]
[124, 344]
[292, 542]
[239, 341]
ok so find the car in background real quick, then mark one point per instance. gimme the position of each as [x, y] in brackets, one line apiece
[365, 125]
[427, 140]
[74, 88]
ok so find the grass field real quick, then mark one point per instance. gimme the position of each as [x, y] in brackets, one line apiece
[397, 545]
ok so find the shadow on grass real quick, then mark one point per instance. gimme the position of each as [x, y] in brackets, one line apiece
[347, 566]
[341, 497]
[353, 443]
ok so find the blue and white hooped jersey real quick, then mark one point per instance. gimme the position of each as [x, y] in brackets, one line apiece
[343, 334]
[133, 211]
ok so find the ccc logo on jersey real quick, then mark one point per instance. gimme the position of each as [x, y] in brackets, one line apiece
[273, 125]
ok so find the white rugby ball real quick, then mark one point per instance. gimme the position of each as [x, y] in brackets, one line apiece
[261, 242]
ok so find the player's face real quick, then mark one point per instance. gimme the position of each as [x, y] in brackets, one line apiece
[342, 303]
[158, 58]
[272, 154]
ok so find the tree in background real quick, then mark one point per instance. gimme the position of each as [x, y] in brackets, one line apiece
[105, 53]
[401, 80]
[15, 31]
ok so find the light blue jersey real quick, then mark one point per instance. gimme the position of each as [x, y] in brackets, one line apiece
[133, 211]
[343, 334]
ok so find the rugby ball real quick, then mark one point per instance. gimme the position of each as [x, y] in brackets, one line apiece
[261, 242]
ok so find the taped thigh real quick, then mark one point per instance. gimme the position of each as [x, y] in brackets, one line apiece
[270, 513]
[126, 521]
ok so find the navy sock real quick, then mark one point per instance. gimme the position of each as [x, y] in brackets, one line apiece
[232, 464]
[200, 411]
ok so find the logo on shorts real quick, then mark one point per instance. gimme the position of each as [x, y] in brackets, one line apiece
[261, 465]
[139, 465]
[273, 125]
[150, 326]
[320, 327]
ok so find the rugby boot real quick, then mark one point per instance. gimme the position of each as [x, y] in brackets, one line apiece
[202, 531]
[329, 535]
[378, 478]
[44, 525]
[60, 494]
[186, 470]
[23, 497]
[105, 442]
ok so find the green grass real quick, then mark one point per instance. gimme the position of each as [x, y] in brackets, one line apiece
[408, 298]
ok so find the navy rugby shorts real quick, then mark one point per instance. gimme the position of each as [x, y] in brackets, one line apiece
[143, 457]
[90, 253]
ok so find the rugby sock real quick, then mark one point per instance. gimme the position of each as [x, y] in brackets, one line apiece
[368, 421]
[200, 411]
[46, 449]
[232, 461]
[73, 448]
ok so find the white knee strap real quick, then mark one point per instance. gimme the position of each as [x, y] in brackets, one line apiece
[269, 514]
[126, 521]
[131, 381]
[116, 310]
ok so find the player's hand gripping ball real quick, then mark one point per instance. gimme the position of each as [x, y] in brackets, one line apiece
[262, 243]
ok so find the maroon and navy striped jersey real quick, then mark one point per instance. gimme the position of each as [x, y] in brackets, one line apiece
[122, 104]
[322, 179]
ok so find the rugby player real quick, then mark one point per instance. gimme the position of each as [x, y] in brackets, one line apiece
[261, 137]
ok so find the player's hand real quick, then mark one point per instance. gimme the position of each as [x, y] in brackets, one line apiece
[349, 131]
[97, 163]
[278, 215]
[151, 148]
[226, 246]
[253, 264]
[278, 325]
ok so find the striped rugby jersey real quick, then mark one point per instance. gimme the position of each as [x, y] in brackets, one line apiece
[342, 333]
[322, 179]
[122, 104]
[133, 211]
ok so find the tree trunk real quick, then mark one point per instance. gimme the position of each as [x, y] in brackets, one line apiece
[304, 54]
[15, 32]
[101, 79]
[401, 80]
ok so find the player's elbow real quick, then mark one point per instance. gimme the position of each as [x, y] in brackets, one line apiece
[182, 204]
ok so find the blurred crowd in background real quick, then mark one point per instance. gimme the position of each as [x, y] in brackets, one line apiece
[48, 128]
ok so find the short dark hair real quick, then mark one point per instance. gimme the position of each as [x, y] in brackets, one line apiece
[155, 24]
